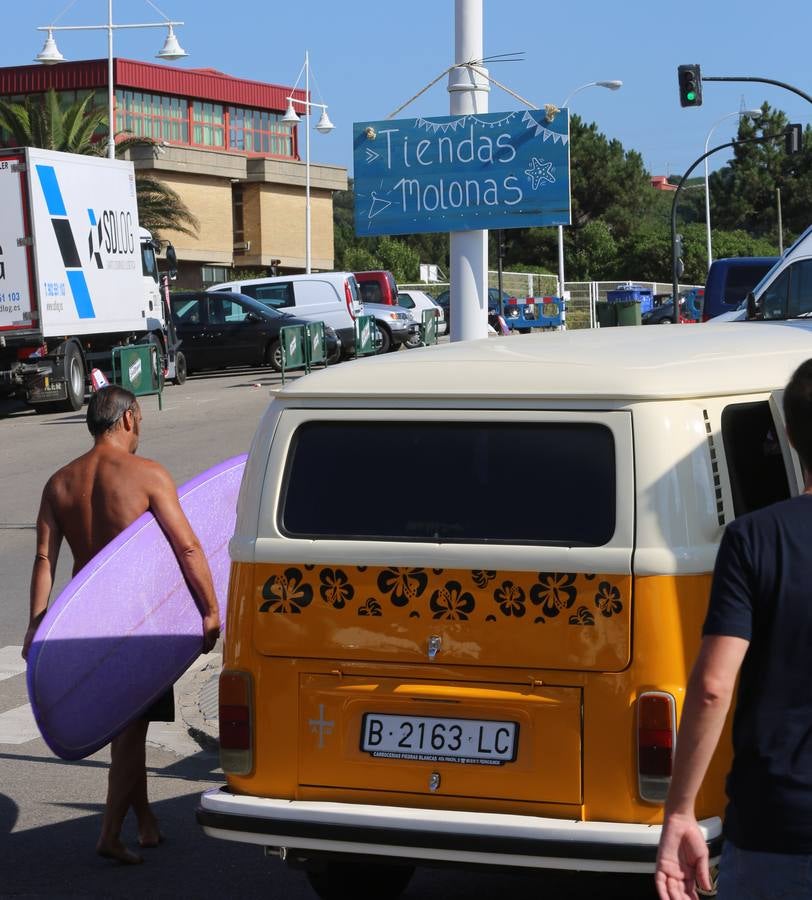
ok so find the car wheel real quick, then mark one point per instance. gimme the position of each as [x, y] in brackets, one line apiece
[74, 380]
[386, 339]
[358, 881]
[273, 356]
[180, 368]
[524, 330]
[665, 322]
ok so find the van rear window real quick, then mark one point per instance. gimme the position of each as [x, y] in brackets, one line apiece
[453, 482]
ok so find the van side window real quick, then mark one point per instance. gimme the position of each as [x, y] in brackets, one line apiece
[754, 462]
[800, 288]
[274, 295]
[774, 299]
[457, 491]
[741, 279]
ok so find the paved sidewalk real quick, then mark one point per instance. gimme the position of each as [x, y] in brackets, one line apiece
[196, 699]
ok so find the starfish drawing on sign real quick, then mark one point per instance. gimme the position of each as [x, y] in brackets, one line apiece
[377, 206]
[539, 171]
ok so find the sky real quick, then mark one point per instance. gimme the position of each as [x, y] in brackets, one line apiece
[367, 58]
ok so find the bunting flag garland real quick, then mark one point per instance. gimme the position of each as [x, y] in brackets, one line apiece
[444, 127]
[529, 120]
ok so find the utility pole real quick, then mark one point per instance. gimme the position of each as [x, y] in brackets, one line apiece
[468, 249]
[780, 223]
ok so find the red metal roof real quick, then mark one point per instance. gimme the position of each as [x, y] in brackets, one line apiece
[198, 84]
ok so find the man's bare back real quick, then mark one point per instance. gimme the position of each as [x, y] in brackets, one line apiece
[95, 497]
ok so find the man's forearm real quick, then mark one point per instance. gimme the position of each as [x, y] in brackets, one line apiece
[198, 576]
[41, 583]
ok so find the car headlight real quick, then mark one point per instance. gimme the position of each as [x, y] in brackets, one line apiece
[400, 316]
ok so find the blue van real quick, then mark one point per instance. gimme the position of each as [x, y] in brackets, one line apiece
[730, 280]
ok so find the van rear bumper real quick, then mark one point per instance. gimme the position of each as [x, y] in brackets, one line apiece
[466, 838]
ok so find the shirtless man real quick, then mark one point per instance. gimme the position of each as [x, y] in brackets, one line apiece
[89, 502]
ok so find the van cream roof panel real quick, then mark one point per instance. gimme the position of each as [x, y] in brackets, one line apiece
[643, 363]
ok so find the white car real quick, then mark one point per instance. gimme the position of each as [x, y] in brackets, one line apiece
[416, 302]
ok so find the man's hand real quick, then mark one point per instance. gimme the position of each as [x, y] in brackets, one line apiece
[682, 860]
[211, 631]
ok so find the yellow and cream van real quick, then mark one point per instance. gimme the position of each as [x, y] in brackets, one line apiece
[485, 665]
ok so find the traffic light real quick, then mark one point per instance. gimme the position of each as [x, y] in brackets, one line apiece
[690, 85]
[794, 137]
[679, 265]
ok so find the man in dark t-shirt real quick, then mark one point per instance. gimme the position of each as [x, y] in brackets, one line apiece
[759, 621]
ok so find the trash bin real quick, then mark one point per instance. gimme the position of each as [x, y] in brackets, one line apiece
[632, 292]
[607, 313]
[628, 312]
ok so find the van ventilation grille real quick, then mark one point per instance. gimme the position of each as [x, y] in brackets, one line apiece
[717, 481]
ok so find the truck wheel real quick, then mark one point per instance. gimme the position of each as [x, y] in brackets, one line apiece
[74, 380]
[358, 881]
[386, 339]
[180, 368]
[273, 356]
[155, 341]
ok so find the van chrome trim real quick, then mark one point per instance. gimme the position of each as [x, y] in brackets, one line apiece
[486, 838]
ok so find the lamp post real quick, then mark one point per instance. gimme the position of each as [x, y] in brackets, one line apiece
[744, 112]
[50, 55]
[323, 126]
[612, 86]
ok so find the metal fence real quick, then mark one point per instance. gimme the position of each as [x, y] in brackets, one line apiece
[583, 295]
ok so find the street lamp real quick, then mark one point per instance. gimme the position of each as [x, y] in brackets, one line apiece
[50, 55]
[323, 126]
[612, 86]
[742, 112]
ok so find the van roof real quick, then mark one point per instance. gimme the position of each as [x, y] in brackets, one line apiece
[271, 279]
[643, 363]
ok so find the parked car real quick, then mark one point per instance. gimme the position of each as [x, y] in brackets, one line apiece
[329, 297]
[662, 313]
[377, 287]
[416, 302]
[219, 330]
[396, 325]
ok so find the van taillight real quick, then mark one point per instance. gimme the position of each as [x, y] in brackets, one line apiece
[348, 296]
[656, 737]
[236, 722]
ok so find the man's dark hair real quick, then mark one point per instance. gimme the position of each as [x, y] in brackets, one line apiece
[106, 408]
[798, 412]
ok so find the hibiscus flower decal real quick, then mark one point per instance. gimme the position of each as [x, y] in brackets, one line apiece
[335, 587]
[451, 602]
[511, 599]
[608, 599]
[582, 617]
[370, 608]
[403, 585]
[285, 593]
[482, 577]
[554, 592]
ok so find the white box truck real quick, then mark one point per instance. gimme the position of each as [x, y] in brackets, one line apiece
[78, 276]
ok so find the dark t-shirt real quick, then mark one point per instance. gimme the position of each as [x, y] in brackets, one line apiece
[762, 592]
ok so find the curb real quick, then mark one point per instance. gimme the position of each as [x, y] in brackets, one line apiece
[197, 700]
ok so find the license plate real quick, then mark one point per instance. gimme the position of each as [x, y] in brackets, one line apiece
[432, 739]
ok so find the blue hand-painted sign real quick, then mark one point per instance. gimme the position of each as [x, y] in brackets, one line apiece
[461, 173]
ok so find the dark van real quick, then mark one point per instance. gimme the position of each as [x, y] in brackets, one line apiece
[730, 280]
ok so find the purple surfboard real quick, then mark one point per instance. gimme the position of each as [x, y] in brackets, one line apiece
[126, 626]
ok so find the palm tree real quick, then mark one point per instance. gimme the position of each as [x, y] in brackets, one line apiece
[42, 122]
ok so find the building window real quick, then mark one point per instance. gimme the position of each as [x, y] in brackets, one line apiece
[208, 124]
[238, 217]
[213, 274]
[259, 132]
[153, 116]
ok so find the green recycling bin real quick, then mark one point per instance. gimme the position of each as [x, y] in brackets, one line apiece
[628, 312]
[607, 313]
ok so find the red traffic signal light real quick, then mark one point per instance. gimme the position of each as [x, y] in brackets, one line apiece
[690, 85]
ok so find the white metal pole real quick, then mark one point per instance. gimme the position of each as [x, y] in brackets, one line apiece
[468, 249]
[561, 261]
[307, 163]
[111, 125]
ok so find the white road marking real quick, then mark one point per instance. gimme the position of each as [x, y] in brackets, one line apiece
[17, 726]
[11, 663]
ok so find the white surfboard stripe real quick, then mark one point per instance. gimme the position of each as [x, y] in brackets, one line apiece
[11, 663]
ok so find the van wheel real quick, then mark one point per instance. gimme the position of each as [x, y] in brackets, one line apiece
[74, 380]
[358, 881]
[386, 339]
[180, 368]
[273, 356]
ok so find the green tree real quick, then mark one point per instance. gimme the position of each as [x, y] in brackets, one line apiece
[41, 121]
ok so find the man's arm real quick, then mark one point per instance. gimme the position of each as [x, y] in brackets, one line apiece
[683, 856]
[163, 501]
[49, 539]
